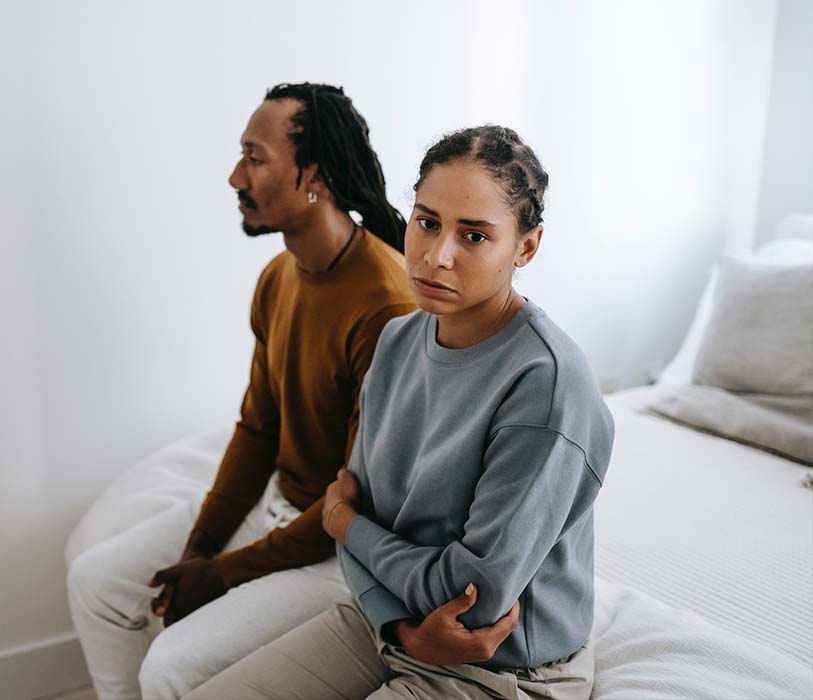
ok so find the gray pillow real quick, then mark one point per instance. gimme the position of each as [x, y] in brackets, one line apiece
[782, 425]
[760, 335]
[753, 375]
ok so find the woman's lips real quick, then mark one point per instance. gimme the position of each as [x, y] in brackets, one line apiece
[432, 288]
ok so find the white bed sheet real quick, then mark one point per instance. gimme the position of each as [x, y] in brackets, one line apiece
[708, 525]
[648, 650]
[699, 523]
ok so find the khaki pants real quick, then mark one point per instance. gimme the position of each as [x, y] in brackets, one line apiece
[337, 655]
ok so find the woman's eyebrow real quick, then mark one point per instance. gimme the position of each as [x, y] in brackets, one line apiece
[426, 210]
[479, 223]
[466, 222]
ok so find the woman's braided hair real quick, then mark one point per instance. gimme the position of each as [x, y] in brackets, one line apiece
[330, 132]
[509, 160]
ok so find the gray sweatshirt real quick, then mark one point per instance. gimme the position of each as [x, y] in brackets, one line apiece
[480, 465]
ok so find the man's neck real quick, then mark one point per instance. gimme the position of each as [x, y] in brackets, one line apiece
[319, 240]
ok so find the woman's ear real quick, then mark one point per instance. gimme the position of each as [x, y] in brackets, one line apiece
[527, 246]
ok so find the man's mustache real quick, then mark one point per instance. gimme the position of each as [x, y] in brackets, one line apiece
[245, 200]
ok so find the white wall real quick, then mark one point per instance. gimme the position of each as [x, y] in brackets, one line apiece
[125, 277]
[787, 172]
[650, 117]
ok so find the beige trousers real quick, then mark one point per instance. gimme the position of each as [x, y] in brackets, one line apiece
[338, 656]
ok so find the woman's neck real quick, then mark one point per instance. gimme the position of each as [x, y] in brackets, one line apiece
[474, 325]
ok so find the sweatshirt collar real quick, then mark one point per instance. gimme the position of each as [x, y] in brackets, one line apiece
[458, 356]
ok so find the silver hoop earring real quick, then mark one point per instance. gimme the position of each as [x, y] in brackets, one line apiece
[311, 197]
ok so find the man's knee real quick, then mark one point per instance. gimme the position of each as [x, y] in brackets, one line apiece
[164, 671]
[155, 669]
[88, 576]
[96, 589]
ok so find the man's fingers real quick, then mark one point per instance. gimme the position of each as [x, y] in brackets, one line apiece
[161, 602]
[163, 576]
[158, 604]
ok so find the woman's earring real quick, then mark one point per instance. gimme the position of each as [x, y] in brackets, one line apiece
[311, 197]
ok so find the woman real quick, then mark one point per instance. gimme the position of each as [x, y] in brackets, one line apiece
[482, 445]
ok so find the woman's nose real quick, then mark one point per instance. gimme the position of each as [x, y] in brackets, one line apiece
[441, 254]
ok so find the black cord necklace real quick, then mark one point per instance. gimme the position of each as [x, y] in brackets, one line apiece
[344, 249]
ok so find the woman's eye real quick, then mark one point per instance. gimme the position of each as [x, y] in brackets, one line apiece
[427, 224]
[254, 161]
[475, 237]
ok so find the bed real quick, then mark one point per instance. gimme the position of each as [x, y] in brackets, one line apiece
[703, 557]
[704, 533]
[713, 540]
[704, 545]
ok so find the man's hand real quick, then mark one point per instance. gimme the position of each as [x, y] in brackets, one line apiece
[194, 583]
[199, 544]
[339, 507]
[444, 641]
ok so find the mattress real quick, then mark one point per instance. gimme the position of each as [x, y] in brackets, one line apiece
[708, 525]
[703, 557]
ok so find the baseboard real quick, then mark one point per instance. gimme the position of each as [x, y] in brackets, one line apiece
[50, 666]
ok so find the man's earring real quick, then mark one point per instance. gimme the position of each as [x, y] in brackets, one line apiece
[311, 197]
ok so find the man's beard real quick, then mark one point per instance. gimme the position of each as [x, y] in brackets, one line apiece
[249, 203]
[254, 231]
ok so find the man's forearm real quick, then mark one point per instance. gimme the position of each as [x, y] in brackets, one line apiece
[200, 544]
[300, 543]
[247, 465]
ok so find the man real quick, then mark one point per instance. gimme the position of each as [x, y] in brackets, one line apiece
[255, 561]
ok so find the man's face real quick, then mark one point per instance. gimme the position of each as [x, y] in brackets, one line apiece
[265, 176]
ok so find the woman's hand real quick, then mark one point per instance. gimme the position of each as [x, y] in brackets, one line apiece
[441, 639]
[339, 507]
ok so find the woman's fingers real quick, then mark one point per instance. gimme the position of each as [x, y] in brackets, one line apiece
[457, 606]
[499, 631]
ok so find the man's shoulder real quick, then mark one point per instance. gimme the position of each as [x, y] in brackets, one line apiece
[383, 268]
[278, 264]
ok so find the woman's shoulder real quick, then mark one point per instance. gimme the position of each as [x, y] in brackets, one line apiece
[403, 329]
[555, 346]
[554, 385]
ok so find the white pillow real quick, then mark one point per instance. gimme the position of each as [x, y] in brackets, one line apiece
[783, 250]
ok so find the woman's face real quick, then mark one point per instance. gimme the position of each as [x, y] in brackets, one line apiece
[461, 240]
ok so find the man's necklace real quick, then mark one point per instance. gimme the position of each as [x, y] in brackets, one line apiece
[343, 250]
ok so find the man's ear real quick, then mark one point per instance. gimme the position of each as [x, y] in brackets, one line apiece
[528, 245]
[312, 181]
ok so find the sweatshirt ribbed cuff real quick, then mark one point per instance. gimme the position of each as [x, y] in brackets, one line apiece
[380, 606]
[361, 538]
